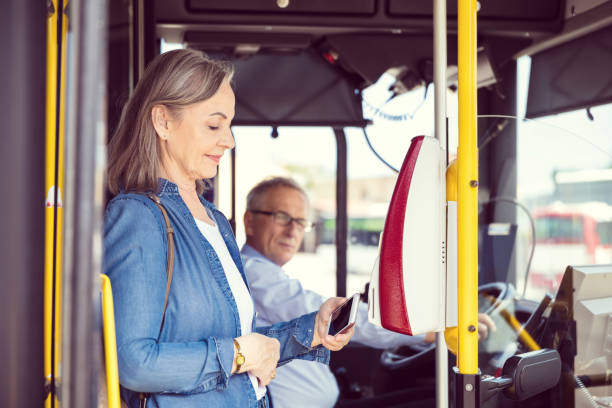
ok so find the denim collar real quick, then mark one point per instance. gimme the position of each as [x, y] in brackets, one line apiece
[168, 188]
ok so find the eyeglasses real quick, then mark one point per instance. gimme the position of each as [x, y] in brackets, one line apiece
[284, 219]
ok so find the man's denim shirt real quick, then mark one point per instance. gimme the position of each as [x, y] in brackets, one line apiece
[189, 363]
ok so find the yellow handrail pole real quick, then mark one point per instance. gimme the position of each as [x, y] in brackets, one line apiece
[523, 334]
[50, 126]
[61, 188]
[467, 182]
[54, 186]
[513, 322]
[110, 344]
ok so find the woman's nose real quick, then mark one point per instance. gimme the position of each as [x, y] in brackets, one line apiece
[227, 140]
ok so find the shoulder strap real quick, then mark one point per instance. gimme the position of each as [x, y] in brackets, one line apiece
[170, 265]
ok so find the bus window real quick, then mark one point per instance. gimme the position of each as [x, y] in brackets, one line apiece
[564, 177]
[370, 186]
[307, 155]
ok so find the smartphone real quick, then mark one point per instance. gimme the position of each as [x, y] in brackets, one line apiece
[343, 318]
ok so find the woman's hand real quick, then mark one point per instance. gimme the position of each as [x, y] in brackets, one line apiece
[261, 354]
[333, 343]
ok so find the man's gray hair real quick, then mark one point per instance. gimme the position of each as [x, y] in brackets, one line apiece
[263, 187]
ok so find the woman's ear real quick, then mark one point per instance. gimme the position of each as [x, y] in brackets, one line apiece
[160, 117]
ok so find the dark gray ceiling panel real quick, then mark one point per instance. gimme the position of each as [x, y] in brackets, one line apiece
[298, 89]
[574, 75]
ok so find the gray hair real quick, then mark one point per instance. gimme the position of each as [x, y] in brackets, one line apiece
[175, 79]
[257, 193]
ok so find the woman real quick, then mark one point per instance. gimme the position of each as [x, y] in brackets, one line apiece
[208, 353]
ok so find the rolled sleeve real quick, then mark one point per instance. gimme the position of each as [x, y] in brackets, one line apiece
[295, 338]
[225, 356]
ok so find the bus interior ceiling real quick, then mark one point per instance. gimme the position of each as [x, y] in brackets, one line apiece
[338, 48]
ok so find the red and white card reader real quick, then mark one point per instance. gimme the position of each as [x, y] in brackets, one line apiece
[408, 286]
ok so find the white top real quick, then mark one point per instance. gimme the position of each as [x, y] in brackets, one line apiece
[237, 285]
[279, 298]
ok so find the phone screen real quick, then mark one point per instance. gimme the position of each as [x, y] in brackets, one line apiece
[340, 317]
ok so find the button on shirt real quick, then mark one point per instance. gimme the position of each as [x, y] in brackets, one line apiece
[277, 298]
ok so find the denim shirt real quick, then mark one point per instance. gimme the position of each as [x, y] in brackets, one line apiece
[189, 363]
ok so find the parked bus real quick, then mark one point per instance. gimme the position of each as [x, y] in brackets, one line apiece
[578, 234]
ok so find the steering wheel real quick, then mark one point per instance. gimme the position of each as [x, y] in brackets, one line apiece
[499, 294]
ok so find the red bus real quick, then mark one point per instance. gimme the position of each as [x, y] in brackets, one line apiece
[569, 234]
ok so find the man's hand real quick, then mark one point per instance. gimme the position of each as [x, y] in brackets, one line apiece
[333, 343]
[485, 325]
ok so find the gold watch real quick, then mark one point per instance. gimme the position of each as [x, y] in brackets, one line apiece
[239, 356]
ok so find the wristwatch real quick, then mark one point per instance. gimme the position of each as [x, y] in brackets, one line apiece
[239, 356]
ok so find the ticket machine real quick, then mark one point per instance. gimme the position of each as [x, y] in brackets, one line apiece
[408, 285]
[413, 287]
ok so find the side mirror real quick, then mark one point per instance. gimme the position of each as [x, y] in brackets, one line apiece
[532, 373]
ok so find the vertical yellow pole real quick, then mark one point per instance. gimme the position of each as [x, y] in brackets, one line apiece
[50, 122]
[467, 203]
[110, 345]
[54, 187]
[59, 232]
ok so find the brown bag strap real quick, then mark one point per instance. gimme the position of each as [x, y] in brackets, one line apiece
[170, 265]
[143, 396]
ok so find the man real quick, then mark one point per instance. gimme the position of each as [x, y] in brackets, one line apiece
[275, 221]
